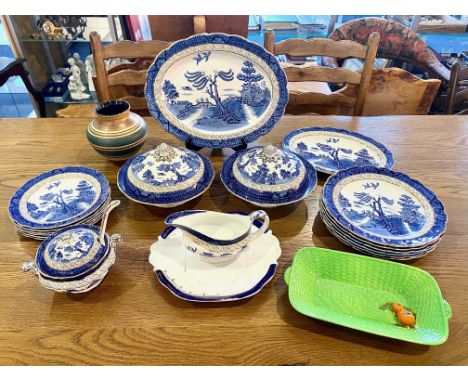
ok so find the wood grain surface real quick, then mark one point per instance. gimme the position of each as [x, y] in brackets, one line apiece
[130, 319]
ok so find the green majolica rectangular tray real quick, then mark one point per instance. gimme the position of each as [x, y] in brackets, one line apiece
[350, 290]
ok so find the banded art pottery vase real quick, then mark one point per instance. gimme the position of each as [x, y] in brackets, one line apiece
[116, 132]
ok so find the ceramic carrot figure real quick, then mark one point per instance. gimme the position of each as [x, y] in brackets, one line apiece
[405, 316]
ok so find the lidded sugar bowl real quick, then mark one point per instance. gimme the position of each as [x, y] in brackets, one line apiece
[75, 259]
[268, 176]
[165, 176]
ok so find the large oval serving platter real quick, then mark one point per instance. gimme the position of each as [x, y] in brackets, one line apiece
[216, 90]
[331, 150]
[58, 198]
[385, 207]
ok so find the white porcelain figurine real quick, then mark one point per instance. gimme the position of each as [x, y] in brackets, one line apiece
[76, 87]
[89, 65]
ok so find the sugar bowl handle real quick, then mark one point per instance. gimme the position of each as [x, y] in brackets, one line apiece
[264, 227]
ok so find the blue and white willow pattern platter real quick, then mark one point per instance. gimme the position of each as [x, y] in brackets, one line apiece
[216, 90]
[268, 176]
[330, 149]
[58, 198]
[71, 252]
[192, 279]
[165, 176]
[381, 206]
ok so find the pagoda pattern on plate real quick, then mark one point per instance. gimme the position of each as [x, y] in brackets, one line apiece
[61, 200]
[377, 212]
[330, 153]
[205, 101]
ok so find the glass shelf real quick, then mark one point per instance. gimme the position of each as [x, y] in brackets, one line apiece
[68, 100]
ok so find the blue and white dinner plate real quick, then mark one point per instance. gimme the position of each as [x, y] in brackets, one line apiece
[268, 176]
[189, 278]
[216, 90]
[331, 224]
[58, 198]
[331, 149]
[372, 250]
[165, 176]
[384, 207]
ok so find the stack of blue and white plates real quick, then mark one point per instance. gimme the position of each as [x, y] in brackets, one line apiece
[382, 213]
[57, 199]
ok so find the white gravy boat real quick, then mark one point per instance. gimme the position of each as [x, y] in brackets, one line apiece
[215, 236]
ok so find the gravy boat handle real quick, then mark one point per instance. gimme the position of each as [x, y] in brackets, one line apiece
[264, 227]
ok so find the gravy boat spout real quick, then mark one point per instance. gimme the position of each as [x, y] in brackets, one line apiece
[217, 236]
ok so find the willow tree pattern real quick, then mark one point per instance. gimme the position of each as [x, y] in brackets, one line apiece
[381, 214]
[59, 203]
[209, 82]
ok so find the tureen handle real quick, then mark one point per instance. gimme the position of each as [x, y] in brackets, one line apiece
[110, 207]
[266, 222]
[29, 266]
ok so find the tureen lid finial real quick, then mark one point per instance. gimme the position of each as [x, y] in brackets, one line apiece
[270, 153]
[164, 153]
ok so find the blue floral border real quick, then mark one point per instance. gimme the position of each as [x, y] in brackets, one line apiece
[15, 213]
[216, 38]
[151, 198]
[75, 273]
[380, 146]
[267, 198]
[440, 217]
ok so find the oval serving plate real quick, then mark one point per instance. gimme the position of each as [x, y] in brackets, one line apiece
[384, 206]
[58, 198]
[331, 150]
[216, 90]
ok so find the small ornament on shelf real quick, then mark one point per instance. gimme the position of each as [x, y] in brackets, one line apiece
[81, 65]
[90, 72]
[76, 87]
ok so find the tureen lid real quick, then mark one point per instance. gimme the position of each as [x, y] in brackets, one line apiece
[165, 169]
[71, 252]
[269, 168]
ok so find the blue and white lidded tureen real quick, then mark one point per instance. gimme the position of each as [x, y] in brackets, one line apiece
[268, 176]
[75, 258]
[165, 176]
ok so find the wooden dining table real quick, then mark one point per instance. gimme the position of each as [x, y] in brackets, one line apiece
[130, 319]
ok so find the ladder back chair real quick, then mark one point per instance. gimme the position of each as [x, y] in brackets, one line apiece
[297, 47]
[457, 92]
[125, 81]
[394, 91]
